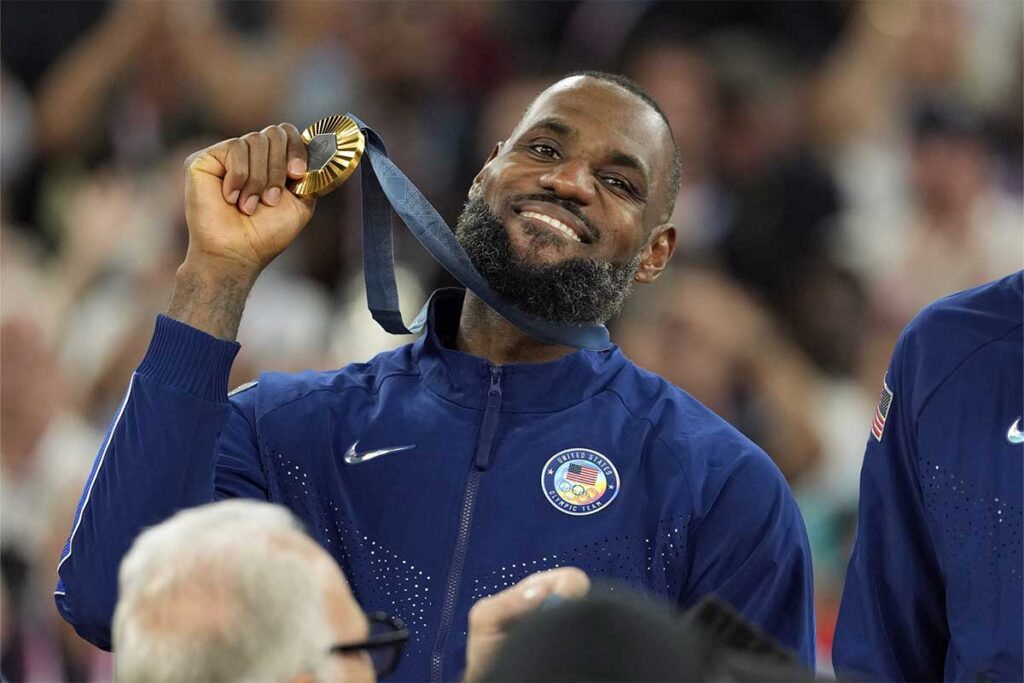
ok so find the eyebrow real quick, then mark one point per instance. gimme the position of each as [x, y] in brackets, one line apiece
[557, 126]
[618, 158]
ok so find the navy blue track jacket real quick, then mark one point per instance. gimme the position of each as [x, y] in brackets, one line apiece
[435, 479]
[933, 589]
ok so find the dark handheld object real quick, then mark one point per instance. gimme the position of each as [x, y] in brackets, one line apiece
[724, 626]
[619, 635]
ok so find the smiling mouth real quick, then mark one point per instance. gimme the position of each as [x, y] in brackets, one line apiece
[556, 218]
[558, 225]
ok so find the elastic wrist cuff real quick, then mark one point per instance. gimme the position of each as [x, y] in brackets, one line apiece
[189, 359]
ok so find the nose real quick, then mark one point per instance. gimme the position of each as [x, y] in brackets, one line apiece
[569, 180]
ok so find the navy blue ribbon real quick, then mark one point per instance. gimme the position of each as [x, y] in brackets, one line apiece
[384, 187]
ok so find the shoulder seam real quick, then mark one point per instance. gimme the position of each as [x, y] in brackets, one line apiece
[373, 391]
[956, 368]
[648, 420]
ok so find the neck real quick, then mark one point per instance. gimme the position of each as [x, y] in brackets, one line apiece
[485, 334]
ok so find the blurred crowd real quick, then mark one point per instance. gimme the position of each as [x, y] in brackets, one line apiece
[844, 163]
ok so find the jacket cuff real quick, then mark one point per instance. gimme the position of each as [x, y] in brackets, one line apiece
[188, 359]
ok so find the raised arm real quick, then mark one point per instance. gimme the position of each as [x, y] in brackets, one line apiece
[177, 440]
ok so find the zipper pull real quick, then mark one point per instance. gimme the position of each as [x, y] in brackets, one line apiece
[482, 458]
[495, 389]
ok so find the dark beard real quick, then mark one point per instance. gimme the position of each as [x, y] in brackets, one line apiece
[575, 291]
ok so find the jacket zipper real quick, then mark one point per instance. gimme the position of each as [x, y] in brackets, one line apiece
[481, 461]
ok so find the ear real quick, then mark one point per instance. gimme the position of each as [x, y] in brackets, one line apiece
[659, 250]
[494, 153]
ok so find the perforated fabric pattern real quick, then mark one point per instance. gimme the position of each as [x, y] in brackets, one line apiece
[652, 562]
[380, 578]
[972, 524]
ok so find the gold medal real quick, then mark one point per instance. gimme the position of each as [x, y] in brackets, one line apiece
[334, 146]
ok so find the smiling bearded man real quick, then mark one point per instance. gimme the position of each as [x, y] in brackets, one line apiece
[443, 471]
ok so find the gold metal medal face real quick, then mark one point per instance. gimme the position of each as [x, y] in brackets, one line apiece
[334, 146]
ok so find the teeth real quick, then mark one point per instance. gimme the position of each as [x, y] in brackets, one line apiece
[554, 223]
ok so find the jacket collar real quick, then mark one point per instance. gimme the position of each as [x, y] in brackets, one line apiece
[526, 387]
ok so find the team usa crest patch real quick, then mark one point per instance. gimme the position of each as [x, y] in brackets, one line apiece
[579, 481]
[882, 410]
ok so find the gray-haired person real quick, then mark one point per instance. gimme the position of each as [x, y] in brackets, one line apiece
[236, 591]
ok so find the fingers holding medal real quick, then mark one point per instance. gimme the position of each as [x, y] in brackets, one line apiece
[259, 165]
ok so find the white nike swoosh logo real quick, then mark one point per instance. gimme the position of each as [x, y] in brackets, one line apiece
[353, 458]
[1014, 434]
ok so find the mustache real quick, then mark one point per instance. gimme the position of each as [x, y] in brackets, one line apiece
[571, 207]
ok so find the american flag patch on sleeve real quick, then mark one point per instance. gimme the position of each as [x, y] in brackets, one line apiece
[882, 410]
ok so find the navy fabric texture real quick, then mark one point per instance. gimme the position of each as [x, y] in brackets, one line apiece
[933, 588]
[426, 531]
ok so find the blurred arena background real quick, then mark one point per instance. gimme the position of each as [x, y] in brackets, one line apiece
[844, 163]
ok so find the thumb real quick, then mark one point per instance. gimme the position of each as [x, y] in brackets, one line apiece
[499, 612]
[304, 206]
[564, 582]
[492, 617]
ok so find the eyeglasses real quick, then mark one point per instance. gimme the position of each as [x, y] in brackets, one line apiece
[388, 636]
